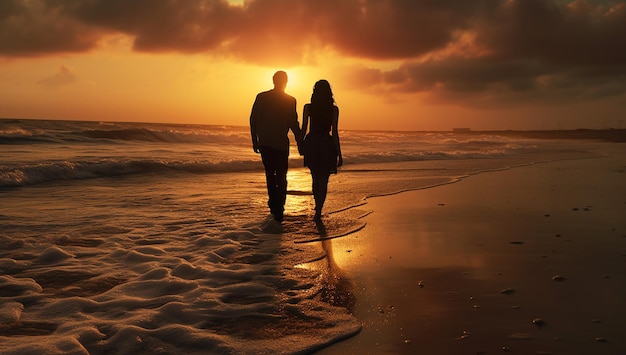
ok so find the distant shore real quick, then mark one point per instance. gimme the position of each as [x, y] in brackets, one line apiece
[608, 135]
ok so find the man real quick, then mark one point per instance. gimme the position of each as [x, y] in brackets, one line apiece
[273, 115]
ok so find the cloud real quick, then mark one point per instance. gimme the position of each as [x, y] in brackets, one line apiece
[36, 28]
[360, 28]
[452, 48]
[520, 51]
[162, 25]
[490, 82]
[553, 30]
[577, 33]
[63, 76]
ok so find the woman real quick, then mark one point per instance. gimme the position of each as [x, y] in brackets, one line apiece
[321, 149]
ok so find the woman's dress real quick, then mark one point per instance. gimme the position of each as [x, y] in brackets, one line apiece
[320, 154]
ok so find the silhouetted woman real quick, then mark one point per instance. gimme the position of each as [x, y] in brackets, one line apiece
[321, 149]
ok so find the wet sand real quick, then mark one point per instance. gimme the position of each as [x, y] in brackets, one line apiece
[530, 260]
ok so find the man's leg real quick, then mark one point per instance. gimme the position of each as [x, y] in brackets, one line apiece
[282, 160]
[275, 162]
[270, 175]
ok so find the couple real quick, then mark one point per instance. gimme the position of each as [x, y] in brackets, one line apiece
[273, 115]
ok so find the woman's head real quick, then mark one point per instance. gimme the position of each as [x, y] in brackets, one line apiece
[322, 93]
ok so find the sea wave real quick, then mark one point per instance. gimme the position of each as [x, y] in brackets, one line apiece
[33, 173]
[166, 135]
[68, 132]
[38, 152]
[22, 136]
[48, 172]
[65, 170]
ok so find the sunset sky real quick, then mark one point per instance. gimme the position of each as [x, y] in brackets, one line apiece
[393, 65]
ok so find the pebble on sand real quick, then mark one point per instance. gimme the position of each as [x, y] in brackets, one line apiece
[521, 336]
[559, 278]
[465, 335]
[508, 291]
[539, 322]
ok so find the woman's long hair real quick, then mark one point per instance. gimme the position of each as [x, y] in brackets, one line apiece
[322, 97]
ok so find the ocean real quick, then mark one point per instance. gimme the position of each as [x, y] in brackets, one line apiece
[156, 238]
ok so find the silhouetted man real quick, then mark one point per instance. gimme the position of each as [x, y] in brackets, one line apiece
[273, 115]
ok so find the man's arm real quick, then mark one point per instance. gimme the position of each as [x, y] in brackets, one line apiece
[295, 125]
[253, 126]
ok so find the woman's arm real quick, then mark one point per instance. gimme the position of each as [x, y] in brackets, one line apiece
[305, 119]
[335, 134]
[305, 123]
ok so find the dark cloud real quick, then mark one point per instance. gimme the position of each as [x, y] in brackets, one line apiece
[362, 28]
[163, 25]
[33, 28]
[528, 50]
[395, 29]
[488, 82]
[517, 47]
[575, 33]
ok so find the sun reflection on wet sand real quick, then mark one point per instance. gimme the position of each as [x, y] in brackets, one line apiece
[299, 195]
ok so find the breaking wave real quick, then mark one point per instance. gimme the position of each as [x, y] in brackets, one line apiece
[80, 170]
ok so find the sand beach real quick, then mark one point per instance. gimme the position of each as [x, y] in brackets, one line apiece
[529, 260]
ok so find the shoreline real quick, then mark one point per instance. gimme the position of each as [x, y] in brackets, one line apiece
[466, 267]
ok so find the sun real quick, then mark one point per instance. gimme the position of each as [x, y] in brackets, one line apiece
[297, 80]
[236, 2]
[292, 76]
[299, 85]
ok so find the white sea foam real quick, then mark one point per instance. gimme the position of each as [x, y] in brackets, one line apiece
[77, 295]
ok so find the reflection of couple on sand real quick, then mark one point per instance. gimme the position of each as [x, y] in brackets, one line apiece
[273, 115]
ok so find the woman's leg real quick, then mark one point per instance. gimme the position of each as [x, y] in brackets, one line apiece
[320, 189]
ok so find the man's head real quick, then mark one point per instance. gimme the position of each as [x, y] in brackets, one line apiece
[280, 80]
